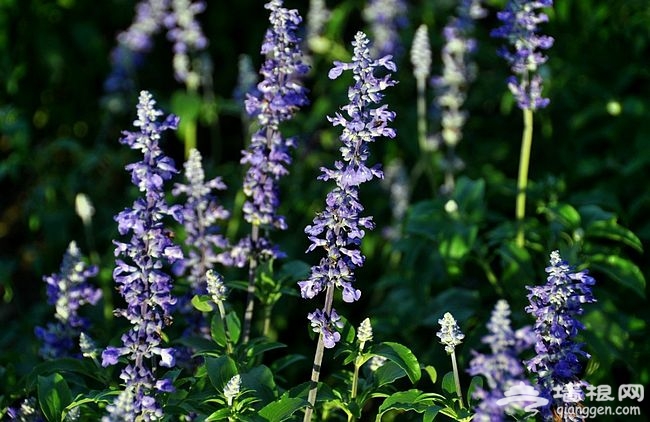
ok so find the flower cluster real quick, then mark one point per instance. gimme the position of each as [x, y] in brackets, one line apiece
[67, 290]
[450, 335]
[458, 71]
[151, 16]
[201, 212]
[386, 19]
[339, 228]
[185, 32]
[280, 95]
[556, 306]
[502, 368]
[520, 20]
[139, 273]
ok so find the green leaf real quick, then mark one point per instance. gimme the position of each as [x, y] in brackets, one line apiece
[220, 370]
[387, 373]
[259, 348]
[621, 270]
[234, 326]
[410, 400]
[611, 230]
[400, 355]
[565, 215]
[283, 408]
[219, 415]
[476, 382]
[448, 383]
[202, 303]
[433, 374]
[218, 331]
[260, 379]
[431, 413]
[53, 396]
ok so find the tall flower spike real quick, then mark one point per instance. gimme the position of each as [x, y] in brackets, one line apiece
[139, 274]
[386, 19]
[184, 30]
[201, 213]
[421, 53]
[556, 306]
[339, 228]
[68, 290]
[280, 95]
[502, 368]
[520, 20]
[451, 86]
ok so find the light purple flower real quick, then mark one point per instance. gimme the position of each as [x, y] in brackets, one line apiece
[139, 272]
[386, 19]
[68, 290]
[279, 96]
[340, 227]
[501, 368]
[556, 307]
[520, 20]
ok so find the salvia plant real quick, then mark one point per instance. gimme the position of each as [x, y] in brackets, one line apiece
[301, 268]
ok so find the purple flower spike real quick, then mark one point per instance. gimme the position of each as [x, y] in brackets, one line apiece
[279, 96]
[386, 19]
[520, 28]
[68, 291]
[339, 228]
[502, 368]
[139, 274]
[556, 306]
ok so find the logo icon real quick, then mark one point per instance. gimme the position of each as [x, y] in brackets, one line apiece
[524, 395]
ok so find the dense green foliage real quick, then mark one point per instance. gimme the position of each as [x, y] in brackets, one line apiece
[587, 194]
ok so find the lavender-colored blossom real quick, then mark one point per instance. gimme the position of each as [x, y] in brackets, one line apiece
[325, 324]
[458, 70]
[450, 335]
[201, 213]
[386, 19]
[317, 17]
[421, 53]
[139, 274]
[68, 290]
[501, 368]
[281, 94]
[340, 227]
[556, 306]
[27, 411]
[185, 32]
[520, 20]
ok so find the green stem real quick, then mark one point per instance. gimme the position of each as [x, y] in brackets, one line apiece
[457, 379]
[252, 269]
[318, 358]
[190, 136]
[522, 180]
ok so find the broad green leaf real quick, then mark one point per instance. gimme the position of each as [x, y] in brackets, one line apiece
[202, 303]
[234, 326]
[610, 229]
[621, 270]
[260, 380]
[220, 370]
[448, 383]
[401, 356]
[218, 330]
[564, 214]
[433, 374]
[387, 373]
[219, 415]
[410, 400]
[259, 348]
[283, 408]
[53, 396]
[431, 413]
[476, 382]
